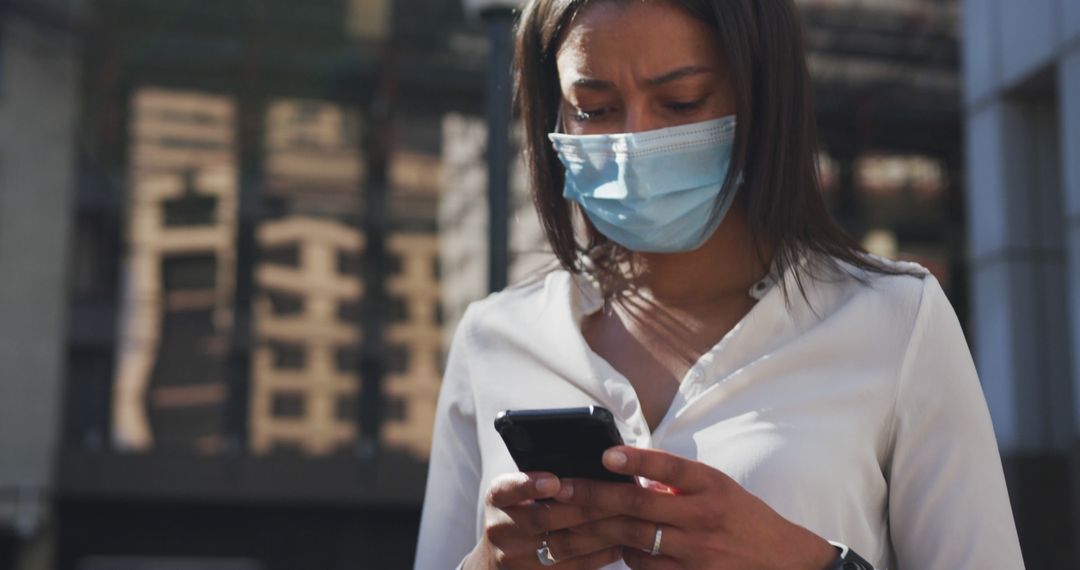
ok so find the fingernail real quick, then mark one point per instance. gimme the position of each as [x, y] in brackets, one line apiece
[547, 484]
[615, 458]
[566, 491]
[660, 487]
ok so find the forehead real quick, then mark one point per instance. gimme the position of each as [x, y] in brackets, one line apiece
[643, 38]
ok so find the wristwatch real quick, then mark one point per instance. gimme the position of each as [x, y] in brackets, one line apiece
[848, 560]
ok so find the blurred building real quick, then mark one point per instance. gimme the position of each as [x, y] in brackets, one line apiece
[39, 83]
[302, 394]
[1022, 101]
[463, 217]
[178, 275]
[302, 387]
[255, 339]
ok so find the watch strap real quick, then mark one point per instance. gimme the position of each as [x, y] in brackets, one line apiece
[848, 559]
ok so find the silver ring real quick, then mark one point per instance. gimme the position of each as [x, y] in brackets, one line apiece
[544, 553]
[656, 541]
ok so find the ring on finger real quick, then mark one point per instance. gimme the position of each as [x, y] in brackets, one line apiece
[544, 553]
[656, 541]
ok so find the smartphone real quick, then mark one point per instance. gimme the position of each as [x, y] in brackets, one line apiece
[567, 442]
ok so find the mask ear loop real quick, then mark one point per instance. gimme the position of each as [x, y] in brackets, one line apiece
[559, 121]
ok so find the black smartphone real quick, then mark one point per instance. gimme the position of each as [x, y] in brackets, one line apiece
[567, 442]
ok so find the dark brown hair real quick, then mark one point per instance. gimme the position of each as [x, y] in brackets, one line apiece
[775, 147]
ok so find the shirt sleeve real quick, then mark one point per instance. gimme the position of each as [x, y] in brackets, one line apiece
[447, 522]
[948, 505]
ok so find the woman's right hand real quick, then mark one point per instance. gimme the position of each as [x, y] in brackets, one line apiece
[516, 525]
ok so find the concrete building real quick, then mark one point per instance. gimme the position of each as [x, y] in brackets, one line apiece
[177, 298]
[411, 387]
[182, 225]
[463, 219]
[39, 78]
[302, 390]
[170, 391]
[1022, 100]
[298, 380]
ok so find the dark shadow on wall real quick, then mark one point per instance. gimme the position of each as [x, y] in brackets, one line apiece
[1039, 489]
[7, 551]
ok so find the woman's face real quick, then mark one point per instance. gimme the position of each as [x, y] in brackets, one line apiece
[640, 66]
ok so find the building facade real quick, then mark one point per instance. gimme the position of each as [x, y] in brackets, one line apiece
[1022, 102]
[39, 78]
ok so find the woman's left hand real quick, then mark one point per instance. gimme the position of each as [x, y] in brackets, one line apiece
[708, 521]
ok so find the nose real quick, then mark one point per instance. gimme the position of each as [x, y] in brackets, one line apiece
[639, 118]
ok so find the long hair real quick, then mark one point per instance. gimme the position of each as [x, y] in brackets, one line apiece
[775, 147]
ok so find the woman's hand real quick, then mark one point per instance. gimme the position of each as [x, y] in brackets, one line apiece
[708, 521]
[516, 525]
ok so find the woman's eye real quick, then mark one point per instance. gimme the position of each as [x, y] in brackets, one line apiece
[583, 115]
[685, 106]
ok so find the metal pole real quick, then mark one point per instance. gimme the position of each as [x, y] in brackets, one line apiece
[499, 24]
[377, 146]
[251, 128]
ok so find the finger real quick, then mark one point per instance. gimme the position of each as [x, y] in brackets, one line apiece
[638, 560]
[593, 561]
[681, 474]
[538, 518]
[515, 488]
[565, 545]
[637, 534]
[625, 499]
[523, 554]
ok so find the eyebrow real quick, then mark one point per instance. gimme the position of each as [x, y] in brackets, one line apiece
[677, 74]
[602, 85]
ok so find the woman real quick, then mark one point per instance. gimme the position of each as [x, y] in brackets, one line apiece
[788, 393]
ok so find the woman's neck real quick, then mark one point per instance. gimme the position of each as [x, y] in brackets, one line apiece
[723, 269]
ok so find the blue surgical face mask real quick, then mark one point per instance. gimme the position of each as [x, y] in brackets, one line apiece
[652, 191]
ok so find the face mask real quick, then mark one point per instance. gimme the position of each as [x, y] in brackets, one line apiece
[652, 191]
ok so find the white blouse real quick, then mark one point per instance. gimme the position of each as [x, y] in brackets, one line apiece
[859, 417]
